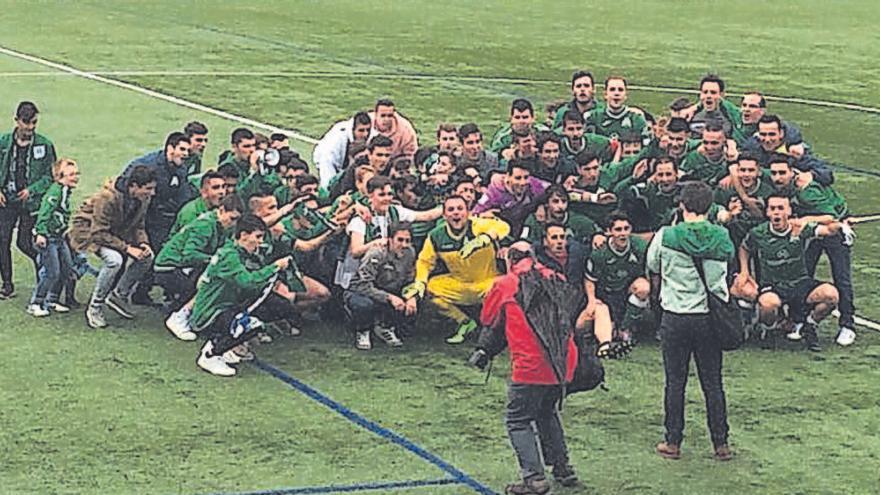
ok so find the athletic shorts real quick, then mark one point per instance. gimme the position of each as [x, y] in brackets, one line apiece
[616, 302]
[795, 298]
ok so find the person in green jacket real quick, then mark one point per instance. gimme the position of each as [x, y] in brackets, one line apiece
[26, 160]
[583, 98]
[186, 254]
[522, 119]
[53, 219]
[211, 193]
[236, 296]
[244, 143]
[197, 133]
[555, 210]
[614, 116]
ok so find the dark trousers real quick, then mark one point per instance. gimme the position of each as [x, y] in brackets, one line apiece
[177, 285]
[535, 404]
[363, 312]
[157, 236]
[840, 257]
[223, 333]
[682, 336]
[11, 215]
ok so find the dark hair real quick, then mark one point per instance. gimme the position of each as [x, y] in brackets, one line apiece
[616, 216]
[677, 124]
[356, 147]
[696, 197]
[176, 138]
[401, 183]
[664, 158]
[762, 102]
[399, 227]
[778, 158]
[748, 156]
[585, 157]
[454, 197]
[551, 224]
[384, 102]
[612, 78]
[712, 78]
[228, 171]
[771, 119]
[446, 127]
[515, 254]
[249, 223]
[26, 111]
[361, 161]
[778, 195]
[629, 136]
[298, 164]
[377, 182]
[572, 116]
[679, 104]
[522, 105]
[141, 175]
[241, 134]
[580, 74]
[713, 125]
[548, 137]
[277, 136]
[362, 118]
[210, 174]
[379, 141]
[522, 133]
[195, 127]
[556, 190]
[232, 202]
[306, 180]
[468, 129]
[520, 164]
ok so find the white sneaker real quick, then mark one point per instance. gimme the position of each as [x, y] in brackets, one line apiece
[215, 365]
[178, 324]
[796, 333]
[387, 335]
[59, 308]
[846, 336]
[37, 310]
[363, 341]
[231, 357]
[95, 316]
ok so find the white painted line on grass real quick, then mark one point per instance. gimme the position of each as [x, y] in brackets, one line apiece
[404, 77]
[155, 94]
[94, 76]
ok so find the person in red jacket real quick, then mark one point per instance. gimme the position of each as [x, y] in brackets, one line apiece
[529, 310]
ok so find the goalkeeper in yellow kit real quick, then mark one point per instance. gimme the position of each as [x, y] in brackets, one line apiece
[464, 250]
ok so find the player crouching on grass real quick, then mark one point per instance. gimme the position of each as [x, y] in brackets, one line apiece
[237, 293]
[54, 259]
[778, 248]
[186, 254]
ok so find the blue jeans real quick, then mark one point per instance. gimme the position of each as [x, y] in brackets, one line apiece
[840, 257]
[55, 264]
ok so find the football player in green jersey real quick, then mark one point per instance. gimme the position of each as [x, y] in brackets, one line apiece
[615, 116]
[522, 120]
[778, 249]
[583, 97]
[616, 276]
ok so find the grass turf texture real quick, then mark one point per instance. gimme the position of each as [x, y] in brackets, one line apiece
[125, 411]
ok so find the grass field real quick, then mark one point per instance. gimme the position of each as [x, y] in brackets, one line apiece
[125, 410]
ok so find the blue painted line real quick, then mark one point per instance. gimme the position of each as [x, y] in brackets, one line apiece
[359, 487]
[457, 475]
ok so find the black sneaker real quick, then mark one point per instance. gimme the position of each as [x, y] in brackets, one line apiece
[811, 338]
[120, 305]
[7, 291]
[565, 475]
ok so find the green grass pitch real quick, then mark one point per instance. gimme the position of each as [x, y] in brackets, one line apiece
[126, 411]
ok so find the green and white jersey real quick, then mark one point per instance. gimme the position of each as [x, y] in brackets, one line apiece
[613, 271]
[696, 166]
[606, 122]
[600, 145]
[188, 213]
[817, 199]
[577, 227]
[740, 225]
[194, 245]
[779, 256]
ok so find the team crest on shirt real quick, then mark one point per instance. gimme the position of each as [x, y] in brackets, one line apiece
[39, 151]
[626, 122]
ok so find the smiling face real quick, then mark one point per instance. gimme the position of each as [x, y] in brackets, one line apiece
[69, 175]
[549, 154]
[666, 176]
[380, 199]
[144, 192]
[518, 180]
[472, 145]
[251, 241]
[178, 154]
[455, 212]
[447, 140]
[770, 136]
[468, 191]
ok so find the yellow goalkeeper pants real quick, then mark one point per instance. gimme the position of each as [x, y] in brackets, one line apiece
[448, 293]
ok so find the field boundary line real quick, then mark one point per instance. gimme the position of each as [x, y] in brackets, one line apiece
[409, 76]
[359, 487]
[155, 94]
[373, 427]
[874, 325]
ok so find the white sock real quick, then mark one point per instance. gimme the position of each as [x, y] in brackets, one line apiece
[810, 320]
[639, 303]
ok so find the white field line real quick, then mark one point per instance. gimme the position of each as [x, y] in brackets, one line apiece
[416, 77]
[253, 123]
[155, 94]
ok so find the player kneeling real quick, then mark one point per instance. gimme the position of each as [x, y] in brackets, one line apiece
[615, 278]
[235, 296]
[778, 248]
